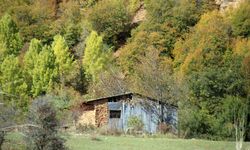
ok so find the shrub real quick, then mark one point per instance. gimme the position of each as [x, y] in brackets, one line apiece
[94, 137]
[8, 118]
[114, 131]
[164, 128]
[105, 130]
[85, 128]
[135, 123]
[43, 132]
[2, 135]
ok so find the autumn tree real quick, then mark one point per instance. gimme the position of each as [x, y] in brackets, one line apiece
[36, 20]
[69, 23]
[211, 69]
[111, 81]
[154, 78]
[241, 20]
[138, 44]
[167, 21]
[110, 18]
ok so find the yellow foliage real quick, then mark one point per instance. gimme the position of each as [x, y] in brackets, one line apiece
[208, 39]
[241, 46]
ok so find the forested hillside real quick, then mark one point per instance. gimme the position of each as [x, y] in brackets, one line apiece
[184, 52]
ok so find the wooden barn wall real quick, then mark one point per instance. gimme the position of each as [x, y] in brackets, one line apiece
[148, 111]
[97, 113]
[115, 123]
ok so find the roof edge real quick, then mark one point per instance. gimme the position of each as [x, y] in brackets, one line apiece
[128, 93]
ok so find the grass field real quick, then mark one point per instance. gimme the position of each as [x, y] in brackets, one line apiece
[81, 142]
[85, 142]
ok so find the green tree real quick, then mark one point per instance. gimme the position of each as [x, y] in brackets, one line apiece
[12, 82]
[63, 59]
[110, 18]
[159, 37]
[134, 5]
[10, 40]
[30, 59]
[241, 20]
[205, 45]
[167, 21]
[96, 55]
[44, 73]
[160, 11]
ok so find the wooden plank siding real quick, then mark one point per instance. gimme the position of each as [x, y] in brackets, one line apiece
[148, 111]
[116, 111]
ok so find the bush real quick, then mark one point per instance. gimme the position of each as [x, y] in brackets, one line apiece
[164, 128]
[2, 135]
[8, 118]
[85, 128]
[43, 132]
[135, 123]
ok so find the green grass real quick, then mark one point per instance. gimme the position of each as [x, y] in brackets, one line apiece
[85, 142]
[81, 142]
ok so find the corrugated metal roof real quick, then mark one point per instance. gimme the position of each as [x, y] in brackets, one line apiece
[127, 94]
[107, 97]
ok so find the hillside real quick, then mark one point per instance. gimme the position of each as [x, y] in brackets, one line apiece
[194, 54]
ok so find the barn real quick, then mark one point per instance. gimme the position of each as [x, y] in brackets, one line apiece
[115, 111]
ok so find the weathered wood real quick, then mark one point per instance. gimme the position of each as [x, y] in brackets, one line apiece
[148, 110]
